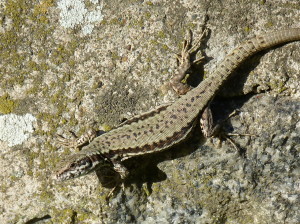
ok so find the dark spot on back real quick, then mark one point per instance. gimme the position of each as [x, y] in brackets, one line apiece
[173, 116]
[145, 116]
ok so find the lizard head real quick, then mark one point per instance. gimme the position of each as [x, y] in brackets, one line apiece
[79, 164]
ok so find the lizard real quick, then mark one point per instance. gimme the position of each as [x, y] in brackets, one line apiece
[167, 125]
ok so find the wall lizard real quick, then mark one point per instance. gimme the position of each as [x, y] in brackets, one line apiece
[167, 125]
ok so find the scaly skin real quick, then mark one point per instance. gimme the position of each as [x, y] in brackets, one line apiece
[168, 125]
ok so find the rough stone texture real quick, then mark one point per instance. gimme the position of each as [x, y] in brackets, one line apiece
[112, 63]
[16, 129]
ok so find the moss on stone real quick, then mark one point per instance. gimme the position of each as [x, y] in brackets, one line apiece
[45, 195]
[269, 25]
[247, 29]
[40, 10]
[6, 104]
[63, 216]
[106, 127]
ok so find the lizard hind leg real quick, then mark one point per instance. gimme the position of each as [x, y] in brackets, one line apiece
[210, 129]
[185, 62]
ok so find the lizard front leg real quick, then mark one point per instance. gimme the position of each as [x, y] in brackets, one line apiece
[114, 177]
[120, 169]
[185, 61]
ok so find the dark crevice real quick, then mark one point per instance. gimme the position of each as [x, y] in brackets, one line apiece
[36, 220]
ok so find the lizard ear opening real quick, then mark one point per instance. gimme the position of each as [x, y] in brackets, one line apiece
[83, 164]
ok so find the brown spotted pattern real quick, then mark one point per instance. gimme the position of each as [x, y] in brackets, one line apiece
[168, 125]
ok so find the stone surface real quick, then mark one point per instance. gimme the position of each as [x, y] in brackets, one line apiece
[111, 62]
[16, 129]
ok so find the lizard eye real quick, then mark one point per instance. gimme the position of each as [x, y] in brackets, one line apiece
[86, 162]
